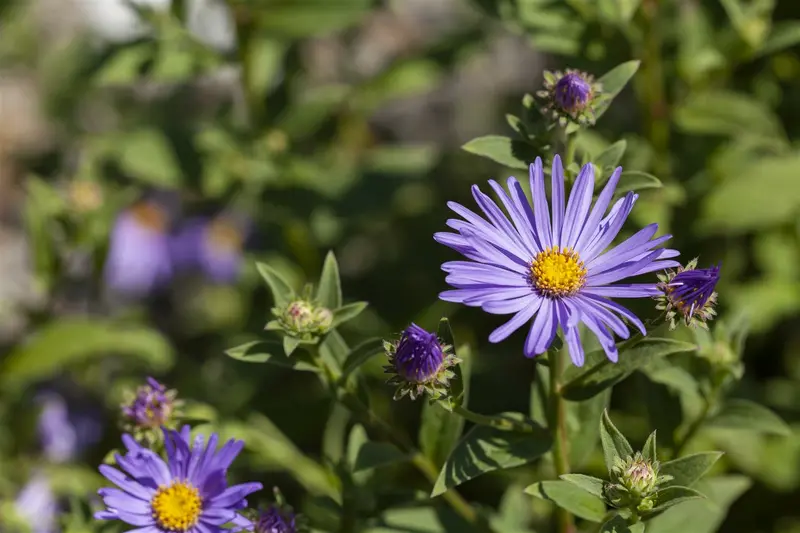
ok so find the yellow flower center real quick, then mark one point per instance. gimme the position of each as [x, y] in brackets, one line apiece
[224, 235]
[150, 216]
[177, 507]
[556, 272]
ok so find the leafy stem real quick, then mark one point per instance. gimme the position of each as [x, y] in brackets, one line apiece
[345, 394]
[557, 421]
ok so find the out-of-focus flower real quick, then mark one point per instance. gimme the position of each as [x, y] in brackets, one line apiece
[138, 259]
[420, 364]
[688, 294]
[151, 407]
[37, 505]
[569, 97]
[214, 247]
[275, 519]
[187, 493]
[65, 432]
[303, 319]
[553, 271]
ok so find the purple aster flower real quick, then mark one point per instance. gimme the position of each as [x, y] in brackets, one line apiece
[572, 92]
[552, 271]
[138, 259]
[37, 505]
[186, 493]
[213, 247]
[689, 292]
[420, 363]
[275, 520]
[152, 407]
[65, 432]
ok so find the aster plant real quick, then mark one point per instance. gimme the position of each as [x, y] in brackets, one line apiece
[149, 409]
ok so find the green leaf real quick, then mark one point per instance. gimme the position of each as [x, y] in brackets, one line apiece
[147, 155]
[70, 341]
[649, 448]
[611, 156]
[590, 484]
[348, 312]
[503, 150]
[784, 34]
[484, 449]
[749, 200]
[615, 445]
[268, 352]
[570, 497]
[613, 82]
[329, 289]
[361, 354]
[617, 524]
[376, 454]
[633, 180]
[281, 290]
[750, 416]
[685, 471]
[702, 515]
[439, 432]
[599, 373]
[581, 415]
[729, 114]
[290, 344]
[305, 18]
[666, 498]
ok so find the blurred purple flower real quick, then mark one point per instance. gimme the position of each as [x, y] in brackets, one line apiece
[152, 407]
[138, 259]
[65, 432]
[211, 246]
[275, 520]
[37, 505]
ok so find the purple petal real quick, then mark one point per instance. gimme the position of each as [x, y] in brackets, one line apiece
[541, 211]
[516, 322]
[235, 494]
[506, 307]
[557, 185]
[524, 229]
[499, 220]
[614, 306]
[542, 330]
[476, 297]
[609, 230]
[627, 290]
[569, 323]
[580, 200]
[600, 206]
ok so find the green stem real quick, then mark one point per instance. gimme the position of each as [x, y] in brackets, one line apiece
[557, 420]
[499, 422]
[571, 146]
[680, 446]
[370, 419]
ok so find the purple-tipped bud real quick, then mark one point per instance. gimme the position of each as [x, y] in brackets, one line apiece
[572, 92]
[418, 356]
[571, 96]
[689, 292]
[275, 520]
[153, 406]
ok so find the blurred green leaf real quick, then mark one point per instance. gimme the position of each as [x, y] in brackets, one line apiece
[439, 432]
[361, 354]
[764, 193]
[599, 373]
[615, 445]
[570, 497]
[376, 454]
[503, 150]
[666, 498]
[613, 82]
[146, 155]
[70, 341]
[784, 34]
[281, 290]
[727, 113]
[329, 288]
[290, 344]
[270, 352]
[617, 524]
[348, 312]
[633, 180]
[125, 65]
[297, 19]
[484, 449]
[748, 416]
[687, 470]
[590, 484]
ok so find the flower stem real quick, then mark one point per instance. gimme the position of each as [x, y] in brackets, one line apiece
[571, 147]
[499, 422]
[557, 420]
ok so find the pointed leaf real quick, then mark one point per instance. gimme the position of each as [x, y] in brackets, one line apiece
[747, 415]
[649, 449]
[570, 497]
[613, 82]
[617, 524]
[348, 312]
[614, 443]
[361, 354]
[484, 449]
[268, 352]
[290, 344]
[503, 150]
[590, 484]
[281, 290]
[784, 34]
[611, 156]
[329, 289]
[376, 454]
[633, 180]
[599, 373]
[685, 471]
[666, 498]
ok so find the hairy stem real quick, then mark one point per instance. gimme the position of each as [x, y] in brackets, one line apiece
[557, 420]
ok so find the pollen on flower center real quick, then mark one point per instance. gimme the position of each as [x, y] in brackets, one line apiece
[177, 507]
[556, 272]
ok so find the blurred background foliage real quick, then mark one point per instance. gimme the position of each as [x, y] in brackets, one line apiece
[338, 124]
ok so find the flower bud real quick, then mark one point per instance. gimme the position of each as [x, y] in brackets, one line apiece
[688, 295]
[421, 363]
[634, 481]
[304, 320]
[569, 97]
[152, 407]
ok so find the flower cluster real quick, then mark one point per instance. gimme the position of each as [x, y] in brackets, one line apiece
[147, 248]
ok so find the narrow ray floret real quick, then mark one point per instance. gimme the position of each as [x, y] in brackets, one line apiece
[688, 294]
[553, 269]
[186, 493]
